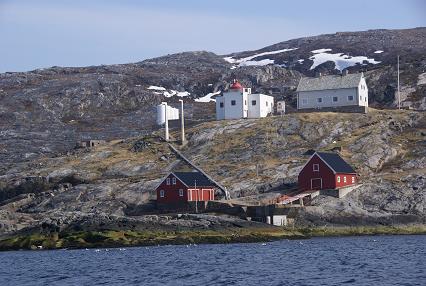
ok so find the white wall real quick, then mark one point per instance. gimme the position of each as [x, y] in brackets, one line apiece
[363, 93]
[264, 105]
[220, 111]
[309, 99]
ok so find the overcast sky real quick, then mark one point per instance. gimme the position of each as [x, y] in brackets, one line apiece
[38, 34]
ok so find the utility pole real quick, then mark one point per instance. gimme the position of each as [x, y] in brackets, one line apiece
[196, 197]
[166, 121]
[182, 122]
[399, 95]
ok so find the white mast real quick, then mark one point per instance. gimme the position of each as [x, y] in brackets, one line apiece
[399, 95]
[182, 122]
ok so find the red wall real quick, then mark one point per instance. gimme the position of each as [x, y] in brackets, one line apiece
[348, 180]
[171, 192]
[325, 173]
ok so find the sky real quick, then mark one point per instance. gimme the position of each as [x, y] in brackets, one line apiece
[45, 33]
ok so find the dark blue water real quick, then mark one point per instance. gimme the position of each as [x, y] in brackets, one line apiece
[373, 260]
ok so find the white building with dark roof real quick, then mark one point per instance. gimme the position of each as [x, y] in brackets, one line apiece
[332, 91]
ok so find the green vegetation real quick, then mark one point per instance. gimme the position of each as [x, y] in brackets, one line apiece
[362, 230]
[114, 238]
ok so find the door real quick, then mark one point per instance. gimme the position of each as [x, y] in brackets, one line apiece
[316, 184]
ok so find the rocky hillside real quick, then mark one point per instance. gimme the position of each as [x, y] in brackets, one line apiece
[113, 183]
[44, 112]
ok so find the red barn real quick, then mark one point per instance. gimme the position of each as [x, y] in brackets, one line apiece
[326, 171]
[179, 187]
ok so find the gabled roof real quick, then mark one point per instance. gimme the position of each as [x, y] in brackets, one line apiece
[190, 179]
[336, 163]
[329, 82]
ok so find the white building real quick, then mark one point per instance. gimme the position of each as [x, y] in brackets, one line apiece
[172, 113]
[239, 102]
[332, 91]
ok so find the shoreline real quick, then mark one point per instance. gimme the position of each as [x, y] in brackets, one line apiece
[128, 238]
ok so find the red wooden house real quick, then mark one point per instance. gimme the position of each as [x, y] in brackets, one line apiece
[180, 187]
[326, 171]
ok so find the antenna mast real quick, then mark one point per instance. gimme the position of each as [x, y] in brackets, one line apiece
[399, 95]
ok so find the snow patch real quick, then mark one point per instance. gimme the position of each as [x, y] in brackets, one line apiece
[301, 61]
[161, 90]
[378, 52]
[153, 87]
[249, 61]
[320, 51]
[208, 97]
[340, 60]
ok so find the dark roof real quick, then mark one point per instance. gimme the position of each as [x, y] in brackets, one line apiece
[336, 163]
[190, 178]
[329, 82]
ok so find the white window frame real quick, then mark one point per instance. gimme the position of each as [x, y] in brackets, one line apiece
[344, 179]
[168, 181]
[162, 194]
[315, 169]
[338, 179]
[350, 98]
[221, 105]
[319, 99]
[335, 97]
[180, 192]
[174, 181]
[233, 102]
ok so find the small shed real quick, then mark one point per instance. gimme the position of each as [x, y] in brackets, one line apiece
[325, 171]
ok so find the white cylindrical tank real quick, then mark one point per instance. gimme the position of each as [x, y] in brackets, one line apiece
[161, 109]
[172, 113]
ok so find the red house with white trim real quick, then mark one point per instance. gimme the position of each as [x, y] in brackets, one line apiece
[180, 187]
[326, 171]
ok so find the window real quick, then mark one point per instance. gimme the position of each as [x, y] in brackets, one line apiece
[319, 100]
[344, 179]
[316, 167]
[174, 181]
[161, 193]
[350, 97]
[338, 179]
[180, 193]
[360, 98]
[304, 101]
[353, 180]
[334, 98]
[365, 99]
[233, 102]
[168, 182]
[245, 102]
[266, 103]
[253, 102]
[221, 105]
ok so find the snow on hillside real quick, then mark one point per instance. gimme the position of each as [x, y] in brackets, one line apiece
[153, 87]
[341, 60]
[378, 52]
[208, 97]
[166, 93]
[249, 61]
